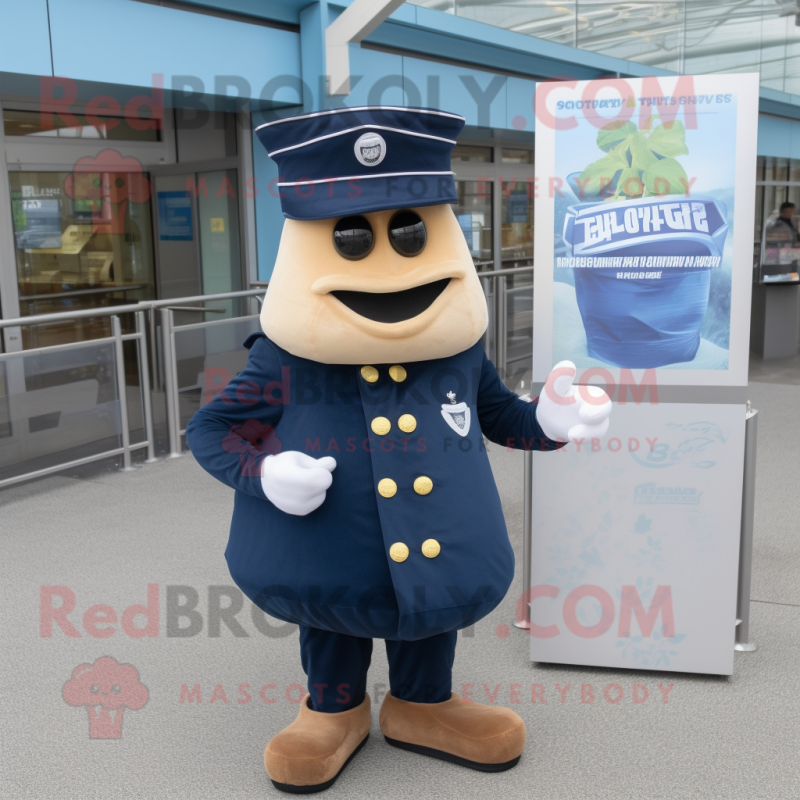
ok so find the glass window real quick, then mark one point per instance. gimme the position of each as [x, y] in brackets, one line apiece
[793, 196]
[218, 220]
[550, 20]
[445, 6]
[780, 256]
[101, 126]
[759, 217]
[517, 227]
[474, 213]
[679, 35]
[776, 169]
[517, 156]
[81, 239]
[773, 197]
[724, 37]
[759, 168]
[469, 152]
[782, 171]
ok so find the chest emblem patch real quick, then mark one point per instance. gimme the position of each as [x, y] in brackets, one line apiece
[456, 415]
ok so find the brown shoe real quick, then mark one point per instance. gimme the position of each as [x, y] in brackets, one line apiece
[311, 753]
[486, 738]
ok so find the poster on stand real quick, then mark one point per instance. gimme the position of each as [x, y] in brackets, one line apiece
[644, 256]
[644, 225]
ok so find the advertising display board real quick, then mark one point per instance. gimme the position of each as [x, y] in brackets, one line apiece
[643, 253]
[175, 217]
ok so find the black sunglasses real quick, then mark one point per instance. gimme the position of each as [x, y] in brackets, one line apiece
[353, 237]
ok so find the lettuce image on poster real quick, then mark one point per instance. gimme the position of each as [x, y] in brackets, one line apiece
[643, 255]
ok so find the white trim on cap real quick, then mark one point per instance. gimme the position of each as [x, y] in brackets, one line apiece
[363, 108]
[359, 177]
[359, 128]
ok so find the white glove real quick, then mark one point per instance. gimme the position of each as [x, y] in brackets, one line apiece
[566, 412]
[296, 483]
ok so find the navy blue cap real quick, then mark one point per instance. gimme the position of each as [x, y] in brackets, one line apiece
[355, 160]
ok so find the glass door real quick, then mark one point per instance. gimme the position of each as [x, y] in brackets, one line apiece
[199, 253]
[82, 239]
[198, 232]
[495, 187]
[218, 222]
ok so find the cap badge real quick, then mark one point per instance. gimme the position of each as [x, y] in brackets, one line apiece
[370, 149]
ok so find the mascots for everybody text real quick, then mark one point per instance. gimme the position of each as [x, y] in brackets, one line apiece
[365, 505]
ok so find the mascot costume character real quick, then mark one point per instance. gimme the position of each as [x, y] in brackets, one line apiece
[371, 358]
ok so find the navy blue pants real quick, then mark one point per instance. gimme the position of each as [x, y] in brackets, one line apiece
[336, 665]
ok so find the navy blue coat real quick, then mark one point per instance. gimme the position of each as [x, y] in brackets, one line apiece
[331, 569]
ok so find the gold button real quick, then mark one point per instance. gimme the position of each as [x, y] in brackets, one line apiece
[431, 548]
[381, 426]
[369, 374]
[387, 487]
[398, 551]
[397, 373]
[407, 423]
[423, 485]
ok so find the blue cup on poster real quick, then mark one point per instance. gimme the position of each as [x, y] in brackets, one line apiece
[642, 271]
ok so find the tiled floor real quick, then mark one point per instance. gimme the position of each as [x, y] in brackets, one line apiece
[775, 370]
[104, 536]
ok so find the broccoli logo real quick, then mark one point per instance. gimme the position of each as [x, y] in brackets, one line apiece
[106, 688]
[638, 163]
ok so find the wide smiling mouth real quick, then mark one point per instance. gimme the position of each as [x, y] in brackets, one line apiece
[392, 307]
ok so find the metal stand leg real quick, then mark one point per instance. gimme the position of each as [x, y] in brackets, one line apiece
[527, 533]
[743, 642]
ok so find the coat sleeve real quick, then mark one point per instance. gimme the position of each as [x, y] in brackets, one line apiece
[507, 420]
[232, 435]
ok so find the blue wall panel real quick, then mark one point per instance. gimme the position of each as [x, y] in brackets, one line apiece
[313, 21]
[123, 42]
[24, 37]
[280, 10]
[380, 80]
[520, 112]
[269, 217]
[778, 137]
[479, 96]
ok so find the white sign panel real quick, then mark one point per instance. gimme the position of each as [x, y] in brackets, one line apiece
[643, 253]
[636, 542]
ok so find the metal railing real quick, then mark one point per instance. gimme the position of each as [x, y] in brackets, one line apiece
[173, 389]
[167, 359]
[95, 356]
[501, 299]
[116, 340]
[165, 362]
